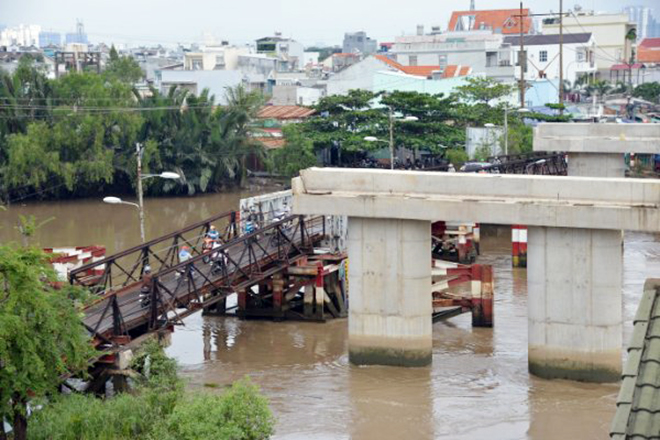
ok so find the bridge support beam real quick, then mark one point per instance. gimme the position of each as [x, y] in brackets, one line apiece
[390, 319]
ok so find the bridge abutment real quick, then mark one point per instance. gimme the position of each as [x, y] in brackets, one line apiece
[390, 319]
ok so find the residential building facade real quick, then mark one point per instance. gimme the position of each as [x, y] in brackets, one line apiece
[482, 50]
[610, 32]
[543, 56]
[648, 51]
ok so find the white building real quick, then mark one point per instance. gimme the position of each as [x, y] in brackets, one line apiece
[291, 52]
[609, 30]
[543, 55]
[21, 36]
[216, 81]
[481, 50]
[220, 57]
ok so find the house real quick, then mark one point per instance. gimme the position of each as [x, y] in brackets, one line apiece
[285, 49]
[648, 51]
[610, 31]
[482, 50]
[218, 57]
[296, 95]
[361, 75]
[390, 81]
[271, 118]
[498, 21]
[543, 55]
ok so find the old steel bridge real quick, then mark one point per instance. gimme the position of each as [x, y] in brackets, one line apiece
[177, 289]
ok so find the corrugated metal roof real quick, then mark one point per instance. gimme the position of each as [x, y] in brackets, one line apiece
[638, 404]
[542, 40]
[284, 112]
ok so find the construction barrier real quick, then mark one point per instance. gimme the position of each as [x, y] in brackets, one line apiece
[519, 245]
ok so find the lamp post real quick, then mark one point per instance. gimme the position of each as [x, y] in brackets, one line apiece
[140, 177]
[391, 119]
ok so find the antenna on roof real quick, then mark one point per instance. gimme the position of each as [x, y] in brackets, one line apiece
[472, 7]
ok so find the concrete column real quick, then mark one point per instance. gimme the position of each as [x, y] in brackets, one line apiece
[390, 277]
[596, 165]
[574, 284]
[574, 280]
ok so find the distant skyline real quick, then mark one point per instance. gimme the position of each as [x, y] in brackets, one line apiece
[137, 22]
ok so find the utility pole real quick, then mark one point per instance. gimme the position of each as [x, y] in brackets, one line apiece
[391, 117]
[522, 58]
[139, 150]
[561, 57]
[506, 129]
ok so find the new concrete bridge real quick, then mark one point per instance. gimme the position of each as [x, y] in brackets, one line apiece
[575, 246]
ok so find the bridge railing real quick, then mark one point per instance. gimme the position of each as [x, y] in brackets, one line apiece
[538, 163]
[181, 289]
[124, 268]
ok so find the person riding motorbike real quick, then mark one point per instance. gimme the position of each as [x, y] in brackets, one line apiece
[145, 289]
[185, 255]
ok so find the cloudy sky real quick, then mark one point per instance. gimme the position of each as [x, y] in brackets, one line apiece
[309, 21]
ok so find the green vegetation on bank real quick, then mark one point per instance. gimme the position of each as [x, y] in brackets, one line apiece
[75, 136]
[43, 340]
[157, 409]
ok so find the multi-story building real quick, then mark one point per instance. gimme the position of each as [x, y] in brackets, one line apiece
[21, 36]
[220, 57]
[287, 50]
[49, 39]
[359, 42]
[543, 56]
[482, 50]
[612, 33]
[642, 16]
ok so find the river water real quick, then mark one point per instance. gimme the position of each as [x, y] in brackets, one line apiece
[478, 386]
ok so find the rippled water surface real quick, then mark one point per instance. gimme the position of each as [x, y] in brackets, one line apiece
[478, 386]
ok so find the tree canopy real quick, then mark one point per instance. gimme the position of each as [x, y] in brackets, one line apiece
[76, 135]
[41, 334]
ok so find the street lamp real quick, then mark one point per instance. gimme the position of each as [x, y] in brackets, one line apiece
[391, 119]
[139, 150]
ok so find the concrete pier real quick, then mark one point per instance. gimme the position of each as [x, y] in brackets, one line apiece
[390, 277]
[575, 298]
[574, 303]
[574, 275]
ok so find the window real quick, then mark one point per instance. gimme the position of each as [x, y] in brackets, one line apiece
[581, 56]
[543, 56]
[442, 61]
[412, 60]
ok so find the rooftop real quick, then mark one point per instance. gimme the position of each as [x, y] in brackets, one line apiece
[650, 43]
[542, 40]
[638, 404]
[284, 112]
[450, 71]
[503, 21]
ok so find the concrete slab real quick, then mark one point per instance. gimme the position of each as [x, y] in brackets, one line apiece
[597, 138]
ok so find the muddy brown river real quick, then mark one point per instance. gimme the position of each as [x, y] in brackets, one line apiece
[477, 388]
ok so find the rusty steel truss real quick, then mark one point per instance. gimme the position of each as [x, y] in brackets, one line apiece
[127, 267]
[176, 290]
[539, 163]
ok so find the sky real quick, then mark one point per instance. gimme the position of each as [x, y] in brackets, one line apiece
[147, 22]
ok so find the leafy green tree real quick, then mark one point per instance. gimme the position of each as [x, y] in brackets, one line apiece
[483, 90]
[41, 334]
[297, 153]
[124, 69]
[649, 91]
